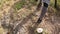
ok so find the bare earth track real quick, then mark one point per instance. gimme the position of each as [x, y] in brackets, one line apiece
[21, 23]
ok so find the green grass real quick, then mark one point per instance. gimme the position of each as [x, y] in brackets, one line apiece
[58, 7]
[19, 4]
[52, 3]
[58, 1]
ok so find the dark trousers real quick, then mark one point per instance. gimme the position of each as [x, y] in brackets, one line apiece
[43, 11]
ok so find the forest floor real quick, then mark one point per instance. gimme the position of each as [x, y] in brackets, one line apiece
[24, 21]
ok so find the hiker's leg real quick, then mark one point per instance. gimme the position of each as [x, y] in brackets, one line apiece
[38, 7]
[44, 10]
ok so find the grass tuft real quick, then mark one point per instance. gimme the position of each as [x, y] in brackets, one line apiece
[19, 5]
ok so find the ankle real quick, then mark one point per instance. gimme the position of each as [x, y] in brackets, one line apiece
[39, 21]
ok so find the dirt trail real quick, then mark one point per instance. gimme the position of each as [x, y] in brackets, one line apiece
[25, 20]
[50, 23]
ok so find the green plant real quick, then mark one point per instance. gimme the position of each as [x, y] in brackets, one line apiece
[19, 4]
